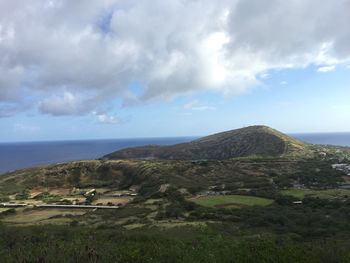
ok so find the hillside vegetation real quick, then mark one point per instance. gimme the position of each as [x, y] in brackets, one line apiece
[252, 189]
[81, 244]
[249, 141]
[257, 177]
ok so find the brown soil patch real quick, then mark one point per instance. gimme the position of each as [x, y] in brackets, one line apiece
[54, 191]
[115, 201]
[37, 215]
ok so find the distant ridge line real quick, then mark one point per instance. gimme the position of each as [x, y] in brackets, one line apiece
[252, 140]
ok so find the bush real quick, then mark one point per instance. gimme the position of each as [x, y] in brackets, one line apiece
[24, 195]
[174, 210]
[48, 198]
[4, 198]
[185, 244]
[74, 223]
[285, 200]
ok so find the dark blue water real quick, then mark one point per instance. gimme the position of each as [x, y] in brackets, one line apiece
[339, 138]
[20, 155]
[15, 156]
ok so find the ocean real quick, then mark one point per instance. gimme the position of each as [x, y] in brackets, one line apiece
[14, 156]
[336, 138]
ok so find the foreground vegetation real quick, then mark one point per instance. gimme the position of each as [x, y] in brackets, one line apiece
[187, 244]
[240, 210]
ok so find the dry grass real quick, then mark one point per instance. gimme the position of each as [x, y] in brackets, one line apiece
[115, 201]
[175, 223]
[54, 191]
[134, 226]
[37, 215]
[152, 201]
[76, 199]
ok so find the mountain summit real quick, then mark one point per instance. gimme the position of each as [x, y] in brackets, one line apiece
[248, 141]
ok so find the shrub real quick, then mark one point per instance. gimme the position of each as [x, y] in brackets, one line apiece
[24, 195]
[4, 198]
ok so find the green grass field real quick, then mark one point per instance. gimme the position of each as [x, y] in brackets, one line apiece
[298, 193]
[229, 200]
[325, 194]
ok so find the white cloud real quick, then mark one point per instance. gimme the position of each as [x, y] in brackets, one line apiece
[65, 104]
[284, 82]
[77, 56]
[197, 106]
[9, 81]
[326, 69]
[265, 75]
[106, 119]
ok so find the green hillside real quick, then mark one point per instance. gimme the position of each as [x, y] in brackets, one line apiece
[249, 141]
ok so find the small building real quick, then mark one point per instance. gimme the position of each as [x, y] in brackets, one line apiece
[90, 193]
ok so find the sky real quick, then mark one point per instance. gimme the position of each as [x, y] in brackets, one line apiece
[159, 68]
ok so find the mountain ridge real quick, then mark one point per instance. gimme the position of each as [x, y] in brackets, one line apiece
[252, 140]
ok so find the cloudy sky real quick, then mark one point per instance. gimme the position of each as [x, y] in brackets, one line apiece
[143, 68]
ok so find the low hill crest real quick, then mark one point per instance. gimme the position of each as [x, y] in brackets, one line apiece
[252, 140]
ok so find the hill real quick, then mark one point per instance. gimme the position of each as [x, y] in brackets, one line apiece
[249, 141]
[122, 174]
[272, 191]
